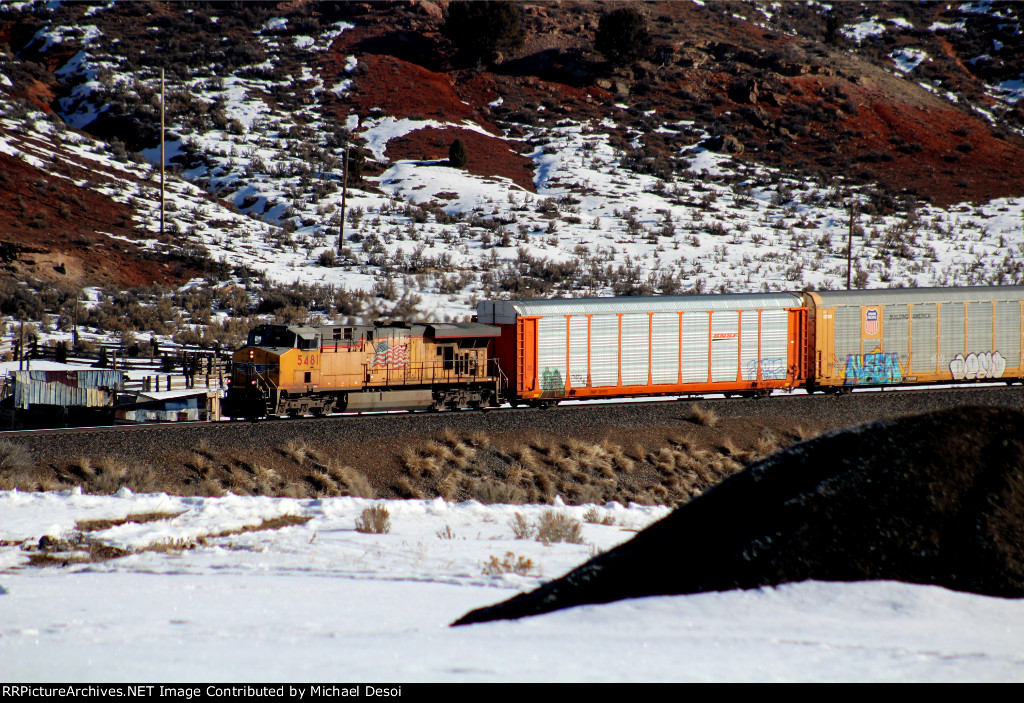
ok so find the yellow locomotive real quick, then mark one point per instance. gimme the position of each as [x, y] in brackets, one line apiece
[293, 370]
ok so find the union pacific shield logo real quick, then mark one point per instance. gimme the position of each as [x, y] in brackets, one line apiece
[871, 322]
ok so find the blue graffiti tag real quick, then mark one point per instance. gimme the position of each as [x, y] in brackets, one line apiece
[876, 367]
[771, 369]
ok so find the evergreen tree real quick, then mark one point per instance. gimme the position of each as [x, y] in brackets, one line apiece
[622, 36]
[457, 154]
[481, 30]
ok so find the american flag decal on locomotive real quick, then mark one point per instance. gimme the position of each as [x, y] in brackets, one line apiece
[387, 354]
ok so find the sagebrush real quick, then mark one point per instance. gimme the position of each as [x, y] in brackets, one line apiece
[375, 519]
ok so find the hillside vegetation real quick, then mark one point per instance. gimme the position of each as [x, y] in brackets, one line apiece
[542, 149]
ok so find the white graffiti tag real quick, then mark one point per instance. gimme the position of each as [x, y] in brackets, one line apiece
[977, 366]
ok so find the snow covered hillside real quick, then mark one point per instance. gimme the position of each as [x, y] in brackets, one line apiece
[257, 149]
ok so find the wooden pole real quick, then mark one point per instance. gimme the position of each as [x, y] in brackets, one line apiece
[849, 247]
[163, 126]
[74, 331]
[344, 193]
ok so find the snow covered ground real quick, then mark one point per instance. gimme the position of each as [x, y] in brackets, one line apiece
[322, 602]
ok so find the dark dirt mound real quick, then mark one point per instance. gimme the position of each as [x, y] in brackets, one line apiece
[935, 499]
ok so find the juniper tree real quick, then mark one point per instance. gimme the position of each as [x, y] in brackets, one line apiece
[622, 36]
[483, 30]
[457, 154]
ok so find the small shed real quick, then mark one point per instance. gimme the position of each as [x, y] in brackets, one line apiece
[187, 405]
[59, 397]
[89, 388]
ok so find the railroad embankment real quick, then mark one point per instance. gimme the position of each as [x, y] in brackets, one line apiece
[662, 452]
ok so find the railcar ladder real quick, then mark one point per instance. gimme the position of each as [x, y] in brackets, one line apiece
[520, 355]
[800, 364]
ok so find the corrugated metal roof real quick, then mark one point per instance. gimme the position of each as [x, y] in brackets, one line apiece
[900, 296]
[505, 311]
[74, 378]
[89, 388]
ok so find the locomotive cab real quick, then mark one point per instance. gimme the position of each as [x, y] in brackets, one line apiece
[275, 361]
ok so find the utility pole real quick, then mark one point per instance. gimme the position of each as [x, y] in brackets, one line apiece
[849, 245]
[74, 331]
[163, 125]
[344, 193]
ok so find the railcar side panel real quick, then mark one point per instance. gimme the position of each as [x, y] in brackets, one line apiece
[910, 336]
[651, 346]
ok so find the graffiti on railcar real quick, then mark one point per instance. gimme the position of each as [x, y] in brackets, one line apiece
[874, 368]
[975, 367]
[551, 383]
[771, 369]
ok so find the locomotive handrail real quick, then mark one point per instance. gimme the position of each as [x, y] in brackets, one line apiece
[253, 371]
[416, 372]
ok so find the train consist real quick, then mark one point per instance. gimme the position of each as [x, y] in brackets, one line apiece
[539, 352]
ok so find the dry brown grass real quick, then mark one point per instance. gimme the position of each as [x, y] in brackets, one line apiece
[766, 444]
[297, 451]
[107, 475]
[450, 438]
[419, 465]
[15, 460]
[490, 492]
[349, 481]
[701, 415]
[322, 484]
[521, 527]
[136, 518]
[200, 463]
[204, 449]
[375, 520]
[267, 481]
[449, 486]
[596, 516]
[801, 433]
[509, 564]
[532, 467]
[81, 548]
[210, 488]
[438, 451]
[478, 439]
[405, 489]
[274, 523]
[554, 526]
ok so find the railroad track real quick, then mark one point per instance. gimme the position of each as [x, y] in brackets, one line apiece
[149, 441]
